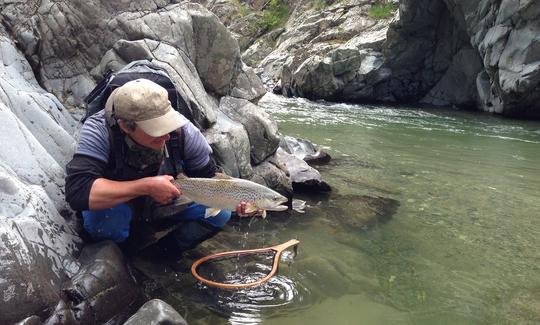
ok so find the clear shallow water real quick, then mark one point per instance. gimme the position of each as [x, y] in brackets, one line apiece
[463, 246]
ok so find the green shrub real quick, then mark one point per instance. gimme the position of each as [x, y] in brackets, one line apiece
[275, 15]
[240, 8]
[382, 9]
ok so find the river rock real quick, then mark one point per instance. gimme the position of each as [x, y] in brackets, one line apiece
[303, 176]
[104, 290]
[261, 128]
[362, 211]
[156, 312]
[304, 149]
[276, 176]
[230, 144]
[37, 249]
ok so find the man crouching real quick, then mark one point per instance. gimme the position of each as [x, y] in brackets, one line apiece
[123, 165]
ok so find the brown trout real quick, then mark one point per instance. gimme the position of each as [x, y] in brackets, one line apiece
[225, 193]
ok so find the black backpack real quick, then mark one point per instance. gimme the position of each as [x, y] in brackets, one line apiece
[96, 100]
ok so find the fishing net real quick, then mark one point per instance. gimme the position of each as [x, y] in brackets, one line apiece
[240, 269]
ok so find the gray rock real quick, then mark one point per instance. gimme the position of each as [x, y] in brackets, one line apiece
[270, 173]
[304, 149]
[156, 312]
[32, 320]
[104, 289]
[36, 248]
[458, 84]
[303, 176]
[230, 144]
[29, 160]
[74, 37]
[261, 128]
[362, 211]
[39, 112]
[248, 85]
[217, 55]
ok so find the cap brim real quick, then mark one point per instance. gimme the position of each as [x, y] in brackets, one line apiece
[164, 124]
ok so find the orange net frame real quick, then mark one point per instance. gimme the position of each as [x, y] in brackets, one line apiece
[277, 250]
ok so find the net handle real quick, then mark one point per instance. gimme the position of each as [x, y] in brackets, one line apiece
[278, 249]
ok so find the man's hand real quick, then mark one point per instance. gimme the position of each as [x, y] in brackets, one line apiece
[162, 190]
[241, 211]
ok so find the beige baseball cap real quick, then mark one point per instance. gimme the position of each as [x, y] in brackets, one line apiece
[147, 104]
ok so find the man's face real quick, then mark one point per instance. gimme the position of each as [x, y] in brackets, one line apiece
[139, 136]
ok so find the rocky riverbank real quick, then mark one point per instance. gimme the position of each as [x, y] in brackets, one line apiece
[480, 54]
[53, 54]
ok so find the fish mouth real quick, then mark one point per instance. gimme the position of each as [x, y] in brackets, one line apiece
[278, 208]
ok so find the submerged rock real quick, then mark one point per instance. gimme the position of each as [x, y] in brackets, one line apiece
[361, 211]
[156, 312]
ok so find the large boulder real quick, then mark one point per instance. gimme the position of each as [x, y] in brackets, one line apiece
[66, 41]
[261, 128]
[104, 290]
[230, 144]
[37, 249]
[303, 177]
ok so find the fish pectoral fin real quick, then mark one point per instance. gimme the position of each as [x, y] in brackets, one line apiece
[211, 212]
[250, 208]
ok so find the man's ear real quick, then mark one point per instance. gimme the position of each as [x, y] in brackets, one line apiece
[122, 126]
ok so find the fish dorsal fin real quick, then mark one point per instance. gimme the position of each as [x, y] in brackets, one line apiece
[222, 176]
[211, 212]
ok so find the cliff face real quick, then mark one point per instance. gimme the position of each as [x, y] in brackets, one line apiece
[502, 36]
[478, 54]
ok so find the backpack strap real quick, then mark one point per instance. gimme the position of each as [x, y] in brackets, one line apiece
[175, 146]
[116, 139]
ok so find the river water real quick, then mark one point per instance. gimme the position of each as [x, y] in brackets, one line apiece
[462, 245]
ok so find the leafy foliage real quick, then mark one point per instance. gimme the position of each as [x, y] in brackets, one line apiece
[275, 15]
[382, 9]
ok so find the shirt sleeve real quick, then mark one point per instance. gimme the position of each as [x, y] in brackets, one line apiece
[81, 172]
[94, 138]
[197, 151]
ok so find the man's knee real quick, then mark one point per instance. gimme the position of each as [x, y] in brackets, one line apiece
[192, 233]
[112, 223]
